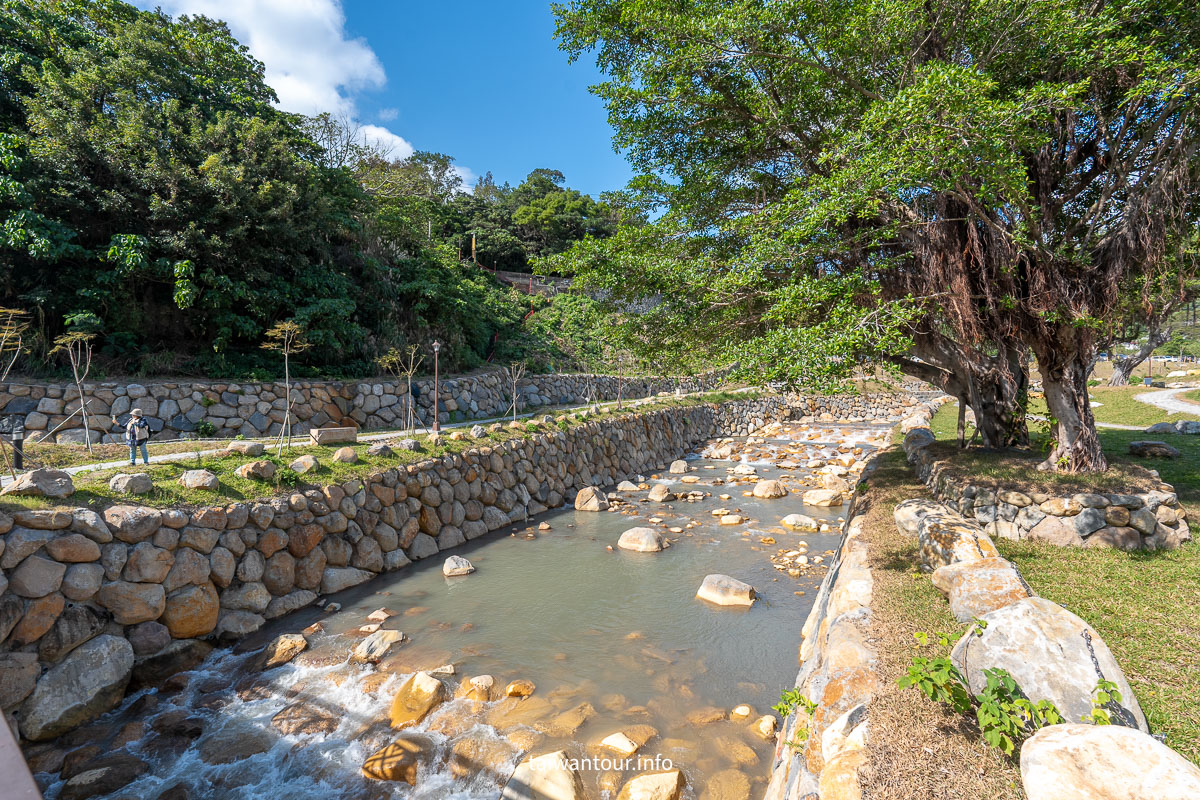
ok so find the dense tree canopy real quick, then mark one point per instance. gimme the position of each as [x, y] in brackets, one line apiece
[947, 185]
[147, 178]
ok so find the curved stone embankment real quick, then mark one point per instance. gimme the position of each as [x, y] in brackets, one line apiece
[90, 598]
[1051, 653]
[823, 748]
[1152, 520]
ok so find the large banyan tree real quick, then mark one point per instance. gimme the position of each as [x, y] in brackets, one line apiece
[947, 185]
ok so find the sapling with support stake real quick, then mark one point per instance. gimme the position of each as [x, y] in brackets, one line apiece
[13, 325]
[287, 338]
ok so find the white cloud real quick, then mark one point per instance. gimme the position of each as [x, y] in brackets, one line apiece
[311, 61]
[468, 177]
[397, 146]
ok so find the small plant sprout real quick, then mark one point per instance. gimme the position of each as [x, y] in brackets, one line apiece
[287, 338]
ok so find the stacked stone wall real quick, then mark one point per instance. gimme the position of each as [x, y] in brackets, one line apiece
[226, 409]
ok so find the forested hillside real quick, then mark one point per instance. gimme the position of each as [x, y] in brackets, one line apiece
[150, 188]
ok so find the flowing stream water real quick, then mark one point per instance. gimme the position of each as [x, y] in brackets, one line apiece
[613, 641]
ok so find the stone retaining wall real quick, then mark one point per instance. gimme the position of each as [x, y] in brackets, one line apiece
[218, 409]
[820, 754]
[88, 598]
[1151, 520]
[176, 409]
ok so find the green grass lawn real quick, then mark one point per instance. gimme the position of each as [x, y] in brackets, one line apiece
[1143, 604]
[91, 488]
[1016, 468]
[1193, 395]
[1119, 406]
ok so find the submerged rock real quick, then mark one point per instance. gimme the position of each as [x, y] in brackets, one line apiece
[667, 785]
[660, 493]
[726, 591]
[373, 648]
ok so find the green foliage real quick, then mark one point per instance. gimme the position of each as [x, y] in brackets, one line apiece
[205, 429]
[286, 476]
[1106, 692]
[147, 178]
[790, 700]
[1005, 716]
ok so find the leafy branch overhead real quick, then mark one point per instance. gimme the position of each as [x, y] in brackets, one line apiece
[943, 185]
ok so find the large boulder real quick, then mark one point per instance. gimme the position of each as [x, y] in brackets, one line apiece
[908, 514]
[126, 483]
[192, 611]
[1152, 449]
[131, 603]
[1104, 762]
[824, 498]
[641, 540]
[545, 777]
[200, 479]
[1052, 654]
[89, 681]
[980, 586]
[726, 591]
[18, 676]
[281, 650]
[42, 483]
[769, 489]
[455, 566]
[946, 539]
[660, 493]
[590, 498]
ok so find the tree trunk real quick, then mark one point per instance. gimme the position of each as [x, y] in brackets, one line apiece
[994, 386]
[1124, 367]
[1064, 369]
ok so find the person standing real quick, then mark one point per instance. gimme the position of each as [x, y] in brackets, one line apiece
[137, 433]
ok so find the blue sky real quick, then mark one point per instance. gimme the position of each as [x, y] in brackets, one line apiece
[483, 82]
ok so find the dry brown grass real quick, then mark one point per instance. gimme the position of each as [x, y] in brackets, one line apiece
[918, 750]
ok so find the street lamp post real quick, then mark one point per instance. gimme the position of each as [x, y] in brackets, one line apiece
[437, 423]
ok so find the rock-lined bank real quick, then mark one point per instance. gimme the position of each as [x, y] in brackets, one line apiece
[823, 747]
[225, 409]
[137, 589]
[1150, 520]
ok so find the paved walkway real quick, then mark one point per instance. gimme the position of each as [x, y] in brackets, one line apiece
[370, 437]
[1169, 400]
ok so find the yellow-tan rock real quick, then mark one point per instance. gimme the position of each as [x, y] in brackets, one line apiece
[419, 695]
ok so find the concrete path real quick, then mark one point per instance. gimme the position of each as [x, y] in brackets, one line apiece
[370, 437]
[1168, 400]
